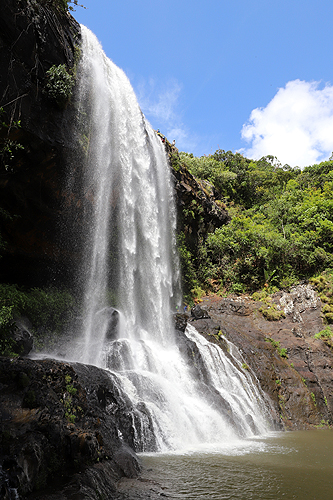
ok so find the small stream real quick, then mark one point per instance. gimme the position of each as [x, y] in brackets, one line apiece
[288, 466]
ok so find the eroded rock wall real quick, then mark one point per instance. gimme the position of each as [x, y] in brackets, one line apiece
[299, 380]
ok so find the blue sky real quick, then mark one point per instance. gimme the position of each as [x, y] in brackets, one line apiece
[253, 76]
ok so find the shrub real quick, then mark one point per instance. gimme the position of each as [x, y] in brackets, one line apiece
[281, 350]
[59, 84]
[260, 295]
[271, 312]
[49, 312]
[324, 334]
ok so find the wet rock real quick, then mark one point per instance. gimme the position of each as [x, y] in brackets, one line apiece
[127, 461]
[22, 337]
[190, 351]
[180, 321]
[58, 420]
[110, 317]
[234, 306]
[298, 380]
[199, 312]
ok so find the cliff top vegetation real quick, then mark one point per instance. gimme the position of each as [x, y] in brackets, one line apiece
[281, 228]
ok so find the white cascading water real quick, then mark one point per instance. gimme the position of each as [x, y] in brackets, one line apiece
[131, 262]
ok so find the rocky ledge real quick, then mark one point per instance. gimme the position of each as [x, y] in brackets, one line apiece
[64, 429]
[293, 368]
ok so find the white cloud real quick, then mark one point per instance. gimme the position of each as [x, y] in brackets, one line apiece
[159, 101]
[160, 105]
[296, 126]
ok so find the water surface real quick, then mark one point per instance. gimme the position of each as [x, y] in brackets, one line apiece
[290, 465]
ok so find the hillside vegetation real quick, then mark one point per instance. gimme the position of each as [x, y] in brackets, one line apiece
[281, 228]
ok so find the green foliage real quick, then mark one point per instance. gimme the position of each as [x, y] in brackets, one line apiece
[59, 84]
[324, 285]
[281, 350]
[271, 312]
[189, 277]
[7, 327]
[260, 295]
[67, 401]
[8, 147]
[71, 390]
[209, 169]
[313, 398]
[198, 292]
[49, 311]
[281, 230]
[324, 334]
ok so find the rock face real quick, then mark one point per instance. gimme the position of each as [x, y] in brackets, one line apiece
[206, 215]
[199, 212]
[33, 37]
[56, 420]
[299, 380]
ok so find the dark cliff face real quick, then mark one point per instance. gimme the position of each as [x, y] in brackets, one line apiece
[199, 212]
[33, 37]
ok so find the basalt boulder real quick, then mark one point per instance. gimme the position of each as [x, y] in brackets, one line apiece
[64, 428]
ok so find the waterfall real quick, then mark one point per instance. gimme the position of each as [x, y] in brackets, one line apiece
[184, 391]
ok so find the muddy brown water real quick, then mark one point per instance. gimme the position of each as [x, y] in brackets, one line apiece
[288, 466]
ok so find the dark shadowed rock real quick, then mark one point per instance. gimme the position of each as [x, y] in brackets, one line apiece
[126, 460]
[33, 37]
[110, 317]
[22, 337]
[199, 312]
[180, 321]
[58, 419]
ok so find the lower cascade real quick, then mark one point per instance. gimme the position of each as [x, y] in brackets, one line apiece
[184, 392]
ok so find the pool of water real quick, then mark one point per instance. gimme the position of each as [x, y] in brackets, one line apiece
[290, 465]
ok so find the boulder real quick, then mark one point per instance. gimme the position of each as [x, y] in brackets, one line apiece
[199, 312]
[23, 338]
[62, 421]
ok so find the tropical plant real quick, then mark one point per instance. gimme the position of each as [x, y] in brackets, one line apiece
[59, 84]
